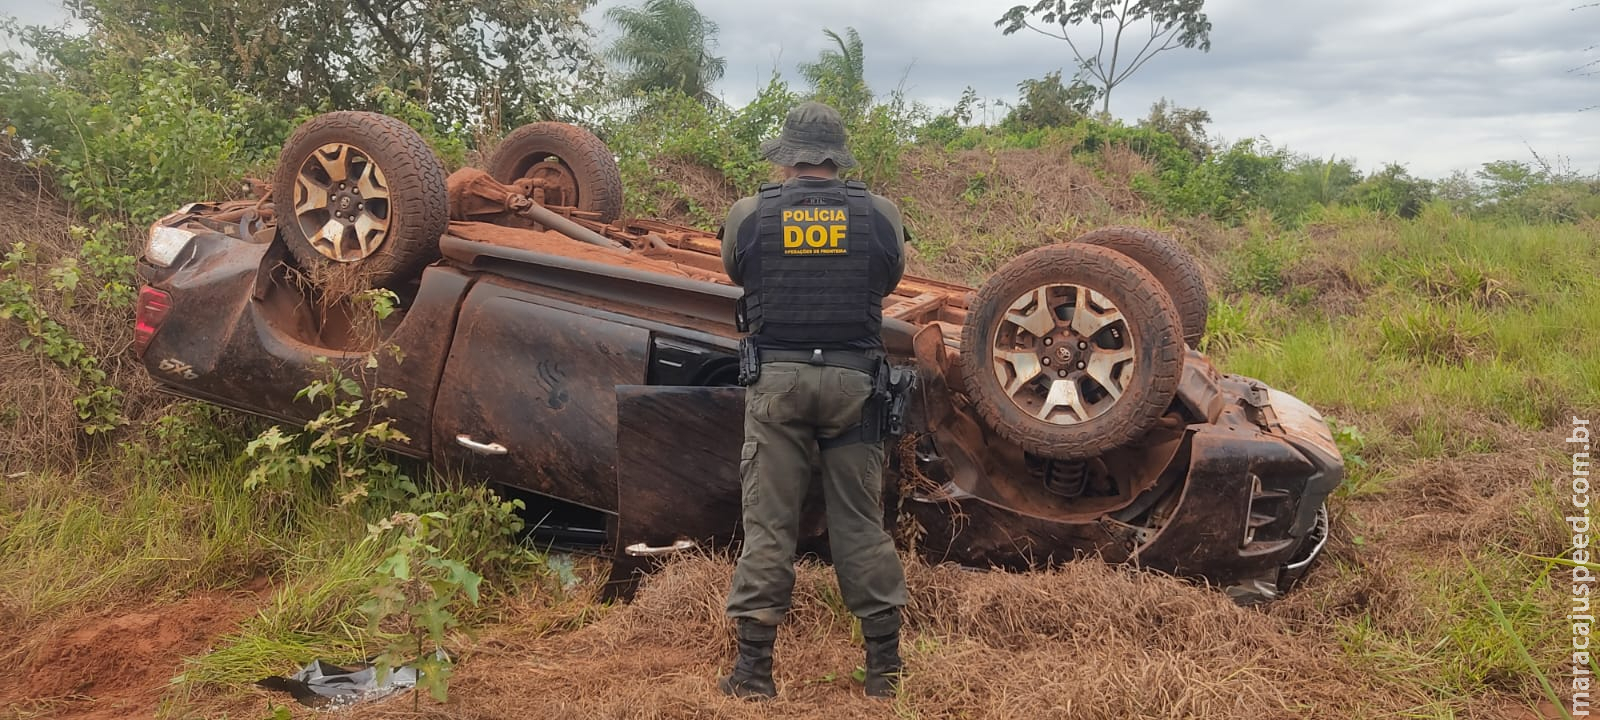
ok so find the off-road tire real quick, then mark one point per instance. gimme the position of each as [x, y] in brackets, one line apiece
[1171, 265]
[591, 162]
[418, 205]
[1151, 321]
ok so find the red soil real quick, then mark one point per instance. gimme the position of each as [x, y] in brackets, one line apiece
[116, 665]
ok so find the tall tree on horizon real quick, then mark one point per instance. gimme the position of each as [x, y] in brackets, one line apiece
[1172, 24]
[666, 45]
[839, 75]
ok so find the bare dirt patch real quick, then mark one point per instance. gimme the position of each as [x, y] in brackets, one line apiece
[114, 664]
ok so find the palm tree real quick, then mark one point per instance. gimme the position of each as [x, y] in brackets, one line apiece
[666, 45]
[839, 76]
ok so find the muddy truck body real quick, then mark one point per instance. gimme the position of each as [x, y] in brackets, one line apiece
[548, 345]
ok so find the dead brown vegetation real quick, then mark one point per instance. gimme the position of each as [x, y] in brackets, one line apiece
[1084, 641]
[966, 211]
[39, 426]
[969, 210]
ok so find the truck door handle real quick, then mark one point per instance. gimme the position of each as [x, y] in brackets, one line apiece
[467, 442]
[643, 550]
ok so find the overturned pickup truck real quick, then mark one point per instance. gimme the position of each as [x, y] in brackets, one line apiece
[550, 345]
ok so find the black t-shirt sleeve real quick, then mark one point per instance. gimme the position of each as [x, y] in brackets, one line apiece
[893, 233]
[729, 235]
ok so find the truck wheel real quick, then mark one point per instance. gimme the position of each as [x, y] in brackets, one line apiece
[1071, 350]
[572, 166]
[363, 191]
[1174, 268]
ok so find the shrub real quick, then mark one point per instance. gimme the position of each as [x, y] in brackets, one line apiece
[1393, 191]
[662, 127]
[1259, 265]
[1433, 334]
[133, 136]
[1049, 102]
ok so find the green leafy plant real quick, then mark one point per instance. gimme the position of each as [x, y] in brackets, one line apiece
[343, 440]
[103, 254]
[1260, 265]
[1351, 442]
[98, 405]
[415, 600]
[381, 301]
[133, 136]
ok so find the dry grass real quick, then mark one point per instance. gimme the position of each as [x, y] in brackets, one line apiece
[677, 181]
[968, 211]
[1085, 641]
[38, 423]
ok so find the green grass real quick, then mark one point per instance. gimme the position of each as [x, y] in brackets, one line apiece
[132, 533]
[1240, 321]
[1466, 331]
[1462, 316]
[313, 614]
[108, 531]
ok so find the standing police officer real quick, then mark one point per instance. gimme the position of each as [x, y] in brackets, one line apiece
[816, 256]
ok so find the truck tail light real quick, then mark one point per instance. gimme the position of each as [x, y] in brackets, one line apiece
[153, 307]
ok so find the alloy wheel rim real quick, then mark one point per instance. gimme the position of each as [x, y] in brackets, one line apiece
[1063, 353]
[342, 203]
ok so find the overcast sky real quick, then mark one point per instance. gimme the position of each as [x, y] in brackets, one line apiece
[1436, 84]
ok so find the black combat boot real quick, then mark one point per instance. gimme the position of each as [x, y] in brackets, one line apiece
[882, 632]
[751, 678]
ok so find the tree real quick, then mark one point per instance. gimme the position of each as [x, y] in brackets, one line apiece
[946, 127]
[1048, 102]
[1460, 192]
[1394, 191]
[1173, 24]
[838, 77]
[461, 59]
[666, 45]
[1507, 180]
[1186, 125]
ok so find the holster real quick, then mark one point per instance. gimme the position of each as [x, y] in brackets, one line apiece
[749, 362]
[901, 382]
[883, 415]
[875, 412]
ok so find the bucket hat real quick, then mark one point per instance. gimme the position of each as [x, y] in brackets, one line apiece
[813, 134]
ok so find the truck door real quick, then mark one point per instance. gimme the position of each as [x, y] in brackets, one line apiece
[528, 395]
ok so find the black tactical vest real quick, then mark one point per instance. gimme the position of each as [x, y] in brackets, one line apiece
[810, 279]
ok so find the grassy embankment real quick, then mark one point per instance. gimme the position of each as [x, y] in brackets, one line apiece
[1451, 352]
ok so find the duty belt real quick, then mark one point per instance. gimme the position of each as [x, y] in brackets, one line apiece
[849, 359]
